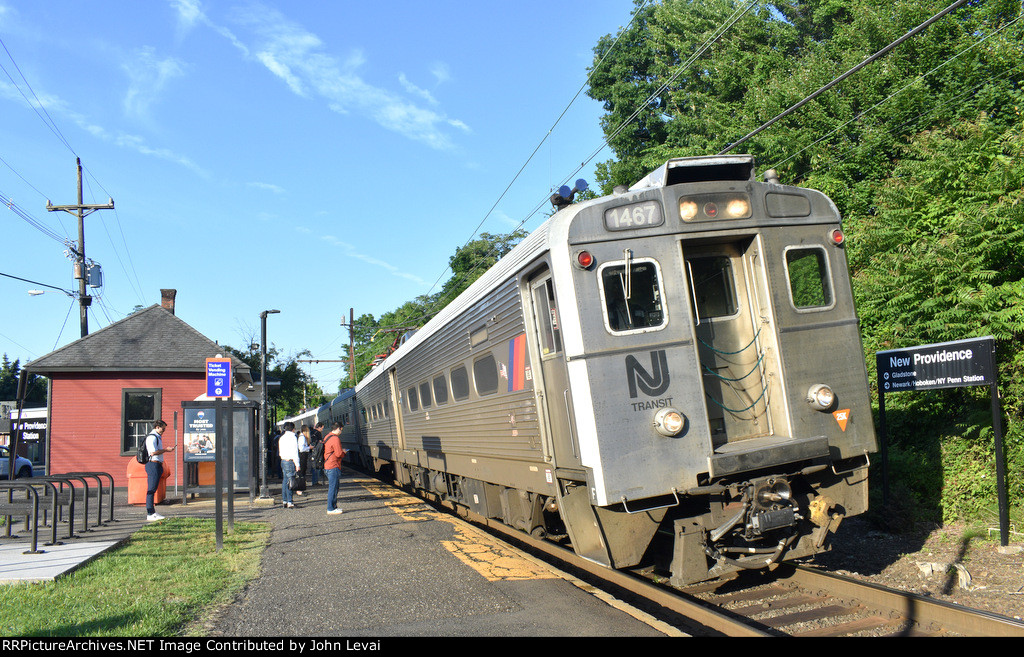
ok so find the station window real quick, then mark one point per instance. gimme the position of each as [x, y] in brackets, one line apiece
[713, 287]
[485, 375]
[414, 400]
[140, 409]
[440, 390]
[425, 394]
[810, 286]
[460, 383]
[632, 296]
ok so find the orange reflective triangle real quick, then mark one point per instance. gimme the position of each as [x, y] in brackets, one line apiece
[842, 417]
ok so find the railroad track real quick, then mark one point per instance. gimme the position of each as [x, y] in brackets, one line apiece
[792, 600]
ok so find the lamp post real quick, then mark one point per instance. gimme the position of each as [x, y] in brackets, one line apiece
[263, 402]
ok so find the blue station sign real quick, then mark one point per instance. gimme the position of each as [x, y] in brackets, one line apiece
[218, 377]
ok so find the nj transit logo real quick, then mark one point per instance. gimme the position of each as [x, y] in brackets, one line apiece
[651, 383]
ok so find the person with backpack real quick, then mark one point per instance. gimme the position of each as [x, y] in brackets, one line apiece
[154, 466]
[316, 436]
[333, 453]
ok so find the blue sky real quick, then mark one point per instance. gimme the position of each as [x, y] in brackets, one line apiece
[302, 156]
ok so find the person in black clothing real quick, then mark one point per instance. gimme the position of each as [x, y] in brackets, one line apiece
[316, 436]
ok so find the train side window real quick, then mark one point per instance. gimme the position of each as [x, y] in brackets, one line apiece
[713, 287]
[632, 296]
[547, 318]
[425, 394]
[440, 390]
[460, 383]
[810, 285]
[485, 375]
[414, 400]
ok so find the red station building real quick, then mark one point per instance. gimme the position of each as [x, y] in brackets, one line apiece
[107, 389]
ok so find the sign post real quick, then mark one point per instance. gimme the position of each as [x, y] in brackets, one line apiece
[219, 387]
[956, 364]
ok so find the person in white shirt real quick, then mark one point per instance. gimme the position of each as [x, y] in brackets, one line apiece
[155, 466]
[288, 449]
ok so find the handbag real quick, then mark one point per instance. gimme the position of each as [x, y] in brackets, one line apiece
[297, 483]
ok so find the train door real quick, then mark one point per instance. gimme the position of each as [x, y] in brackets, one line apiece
[396, 406]
[554, 374]
[735, 333]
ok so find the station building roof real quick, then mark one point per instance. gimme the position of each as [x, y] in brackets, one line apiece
[151, 340]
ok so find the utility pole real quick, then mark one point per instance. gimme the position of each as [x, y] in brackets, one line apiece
[84, 300]
[351, 346]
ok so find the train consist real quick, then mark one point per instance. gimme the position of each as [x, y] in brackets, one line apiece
[671, 375]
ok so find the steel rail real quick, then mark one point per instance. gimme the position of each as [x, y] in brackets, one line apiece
[926, 612]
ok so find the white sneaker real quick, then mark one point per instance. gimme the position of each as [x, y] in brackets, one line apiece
[154, 516]
[289, 505]
[334, 512]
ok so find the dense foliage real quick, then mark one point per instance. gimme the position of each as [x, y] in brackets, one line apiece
[35, 386]
[920, 150]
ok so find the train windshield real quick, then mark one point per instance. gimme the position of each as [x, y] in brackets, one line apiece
[632, 296]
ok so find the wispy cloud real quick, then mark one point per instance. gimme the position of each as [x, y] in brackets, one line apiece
[352, 252]
[309, 69]
[147, 77]
[56, 106]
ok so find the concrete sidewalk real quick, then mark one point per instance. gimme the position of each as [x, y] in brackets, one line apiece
[388, 566]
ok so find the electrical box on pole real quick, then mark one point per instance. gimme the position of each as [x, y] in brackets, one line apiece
[83, 273]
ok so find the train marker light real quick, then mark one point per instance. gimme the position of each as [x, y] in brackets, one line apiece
[669, 422]
[836, 236]
[821, 397]
[711, 210]
[584, 259]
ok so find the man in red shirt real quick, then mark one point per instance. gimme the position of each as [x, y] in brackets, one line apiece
[333, 453]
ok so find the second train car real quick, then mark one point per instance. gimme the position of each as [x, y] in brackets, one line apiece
[678, 364]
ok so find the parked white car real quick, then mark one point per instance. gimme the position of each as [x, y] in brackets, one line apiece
[22, 466]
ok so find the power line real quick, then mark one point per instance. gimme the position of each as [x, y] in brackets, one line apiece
[881, 53]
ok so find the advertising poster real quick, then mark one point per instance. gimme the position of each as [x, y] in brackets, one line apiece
[200, 434]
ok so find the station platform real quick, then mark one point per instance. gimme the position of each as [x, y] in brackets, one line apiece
[388, 566]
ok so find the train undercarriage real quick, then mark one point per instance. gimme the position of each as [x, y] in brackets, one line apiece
[752, 522]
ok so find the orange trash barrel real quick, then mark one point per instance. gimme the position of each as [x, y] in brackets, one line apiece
[138, 483]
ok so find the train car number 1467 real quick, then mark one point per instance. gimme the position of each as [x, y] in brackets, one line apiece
[636, 215]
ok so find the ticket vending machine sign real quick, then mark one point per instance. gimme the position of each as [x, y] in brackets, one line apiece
[218, 377]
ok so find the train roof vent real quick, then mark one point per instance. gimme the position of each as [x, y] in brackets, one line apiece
[699, 169]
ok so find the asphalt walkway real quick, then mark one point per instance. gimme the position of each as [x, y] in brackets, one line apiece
[388, 566]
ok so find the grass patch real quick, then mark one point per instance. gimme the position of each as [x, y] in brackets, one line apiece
[162, 579]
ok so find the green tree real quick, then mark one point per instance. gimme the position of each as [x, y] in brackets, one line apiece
[298, 390]
[35, 386]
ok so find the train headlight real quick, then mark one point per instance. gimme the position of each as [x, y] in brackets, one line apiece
[821, 397]
[669, 422]
[738, 208]
[687, 210]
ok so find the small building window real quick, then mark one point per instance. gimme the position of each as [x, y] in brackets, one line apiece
[140, 409]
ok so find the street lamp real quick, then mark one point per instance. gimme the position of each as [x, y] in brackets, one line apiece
[263, 402]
